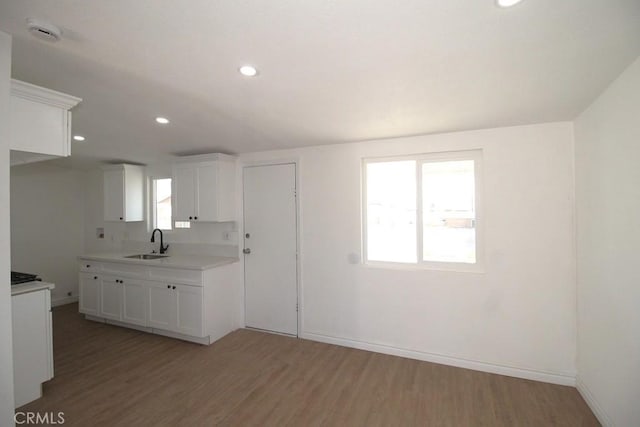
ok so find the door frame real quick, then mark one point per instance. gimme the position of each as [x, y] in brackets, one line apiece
[274, 162]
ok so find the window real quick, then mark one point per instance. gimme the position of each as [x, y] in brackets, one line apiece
[161, 203]
[422, 210]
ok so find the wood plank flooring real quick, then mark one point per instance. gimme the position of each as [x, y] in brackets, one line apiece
[111, 376]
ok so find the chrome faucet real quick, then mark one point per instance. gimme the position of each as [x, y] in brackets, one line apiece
[163, 248]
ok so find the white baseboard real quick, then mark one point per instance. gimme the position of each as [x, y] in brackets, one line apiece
[64, 301]
[270, 332]
[596, 408]
[547, 377]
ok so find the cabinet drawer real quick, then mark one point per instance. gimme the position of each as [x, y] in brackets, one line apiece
[176, 275]
[127, 270]
[90, 266]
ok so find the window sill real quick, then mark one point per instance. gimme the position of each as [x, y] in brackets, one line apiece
[451, 267]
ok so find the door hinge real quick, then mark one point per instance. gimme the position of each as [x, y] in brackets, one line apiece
[296, 307]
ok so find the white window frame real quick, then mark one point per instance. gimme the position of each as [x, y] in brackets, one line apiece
[478, 266]
[152, 204]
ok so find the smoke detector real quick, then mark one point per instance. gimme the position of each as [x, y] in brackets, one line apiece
[44, 30]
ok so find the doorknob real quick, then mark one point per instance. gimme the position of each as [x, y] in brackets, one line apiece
[246, 251]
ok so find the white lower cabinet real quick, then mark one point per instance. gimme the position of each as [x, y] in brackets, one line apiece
[176, 308]
[189, 308]
[135, 302]
[165, 307]
[110, 298]
[89, 294]
[32, 343]
[161, 306]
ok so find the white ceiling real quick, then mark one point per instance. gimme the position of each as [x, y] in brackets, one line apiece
[330, 71]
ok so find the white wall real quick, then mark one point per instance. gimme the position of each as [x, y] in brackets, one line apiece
[6, 354]
[608, 250]
[47, 224]
[518, 317]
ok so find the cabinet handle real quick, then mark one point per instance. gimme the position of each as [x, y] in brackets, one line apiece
[88, 265]
[95, 277]
[168, 286]
[174, 287]
[120, 218]
[195, 217]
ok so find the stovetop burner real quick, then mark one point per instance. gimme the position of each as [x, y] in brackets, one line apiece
[17, 278]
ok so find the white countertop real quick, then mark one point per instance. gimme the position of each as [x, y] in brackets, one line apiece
[184, 261]
[27, 287]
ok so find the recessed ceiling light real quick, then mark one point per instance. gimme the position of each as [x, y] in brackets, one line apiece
[508, 3]
[248, 70]
[162, 120]
[78, 138]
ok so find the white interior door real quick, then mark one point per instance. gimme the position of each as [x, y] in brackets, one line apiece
[270, 245]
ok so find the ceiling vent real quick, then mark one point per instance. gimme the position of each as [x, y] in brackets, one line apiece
[44, 30]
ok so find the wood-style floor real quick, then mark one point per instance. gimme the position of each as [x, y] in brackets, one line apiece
[111, 376]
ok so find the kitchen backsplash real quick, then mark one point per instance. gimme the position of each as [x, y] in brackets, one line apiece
[203, 238]
[181, 248]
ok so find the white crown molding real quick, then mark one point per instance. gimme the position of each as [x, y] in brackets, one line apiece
[42, 95]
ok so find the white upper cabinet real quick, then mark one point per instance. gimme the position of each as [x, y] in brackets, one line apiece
[123, 193]
[184, 192]
[40, 123]
[204, 188]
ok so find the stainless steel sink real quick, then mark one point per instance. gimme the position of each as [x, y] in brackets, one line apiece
[146, 256]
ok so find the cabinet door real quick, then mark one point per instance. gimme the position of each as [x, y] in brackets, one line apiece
[89, 294]
[114, 195]
[30, 345]
[206, 192]
[189, 310]
[184, 193]
[49, 334]
[161, 306]
[110, 298]
[134, 302]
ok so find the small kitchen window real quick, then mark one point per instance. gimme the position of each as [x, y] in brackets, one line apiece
[161, 203]
[423, 210]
